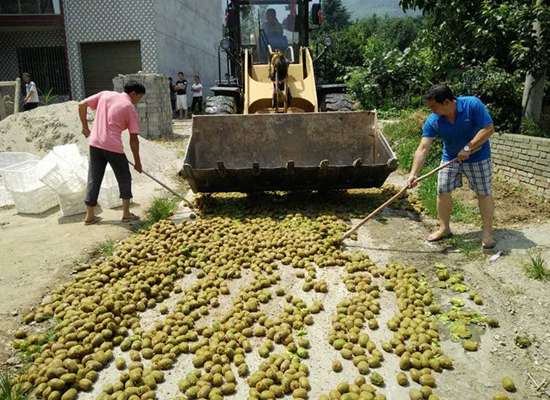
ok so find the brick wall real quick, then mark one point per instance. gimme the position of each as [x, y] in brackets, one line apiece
[524, 160]
[155, 109]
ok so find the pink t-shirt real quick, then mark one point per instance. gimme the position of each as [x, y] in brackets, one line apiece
[114, 114]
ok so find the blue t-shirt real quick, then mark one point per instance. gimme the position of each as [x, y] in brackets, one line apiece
[471, 117]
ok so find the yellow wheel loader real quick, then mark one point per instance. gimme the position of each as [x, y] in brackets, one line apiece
[271, 125]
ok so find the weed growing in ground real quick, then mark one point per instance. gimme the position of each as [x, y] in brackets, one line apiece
[107, 248]
[28, 350]
[467, 244]
[536, 267]
[161, 208]
[8, 390]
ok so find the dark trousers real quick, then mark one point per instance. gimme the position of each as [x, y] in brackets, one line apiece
[29, 106]
[197, 102]
[98, 162]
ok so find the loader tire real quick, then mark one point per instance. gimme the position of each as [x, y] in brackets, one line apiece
[220, 105]
[337, 102]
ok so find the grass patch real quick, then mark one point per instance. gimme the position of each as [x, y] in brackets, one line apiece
[32, 345]
[9, 390]
[468, 245]
[161, 208]
[405, 137]
[107, 248]
[536, 267]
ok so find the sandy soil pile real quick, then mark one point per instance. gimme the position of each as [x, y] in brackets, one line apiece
[39, 130]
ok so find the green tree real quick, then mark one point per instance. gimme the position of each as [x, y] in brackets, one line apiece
[513, 33]
[336, 15]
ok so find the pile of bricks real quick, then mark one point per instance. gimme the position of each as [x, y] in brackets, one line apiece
[524, 160]
[155, 109]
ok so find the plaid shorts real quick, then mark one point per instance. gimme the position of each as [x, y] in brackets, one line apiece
[479, 176]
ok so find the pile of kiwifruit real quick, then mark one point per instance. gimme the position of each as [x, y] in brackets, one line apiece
[100, 310]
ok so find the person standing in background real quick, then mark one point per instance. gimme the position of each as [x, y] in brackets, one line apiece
[31, 93]
[196, 89]
[181, 95]
[172, 89]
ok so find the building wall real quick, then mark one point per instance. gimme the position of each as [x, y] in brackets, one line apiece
[10, 41]
[108, 20]
[188, 33]
[524, 160]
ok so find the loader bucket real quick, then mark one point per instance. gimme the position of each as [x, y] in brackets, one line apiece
[303, 151]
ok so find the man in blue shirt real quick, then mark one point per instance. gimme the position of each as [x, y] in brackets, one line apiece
[464, 126]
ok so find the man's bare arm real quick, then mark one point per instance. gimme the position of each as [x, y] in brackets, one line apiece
[83, 114]
[419, 159]
[482, 136]
[134, 146]
[479, 139]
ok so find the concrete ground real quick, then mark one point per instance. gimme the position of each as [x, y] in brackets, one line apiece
[40, 254]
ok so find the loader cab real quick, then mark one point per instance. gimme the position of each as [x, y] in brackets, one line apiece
[271, 26]
[258, 25]
[253, 31]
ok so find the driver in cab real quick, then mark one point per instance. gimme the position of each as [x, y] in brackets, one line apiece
[274, 31]
[272, 26]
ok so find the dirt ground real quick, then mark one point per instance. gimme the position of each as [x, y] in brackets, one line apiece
[517, 302]
[40, 254]
[514, 205]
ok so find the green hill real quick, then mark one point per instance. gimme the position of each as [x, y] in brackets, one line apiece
[365, 8]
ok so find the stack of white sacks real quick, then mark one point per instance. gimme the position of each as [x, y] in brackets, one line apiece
[58, 179]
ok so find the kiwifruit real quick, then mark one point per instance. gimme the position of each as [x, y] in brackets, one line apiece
[492, 322]
[426, 391]
[68, 378]
[376, 379]
[402, 379]
[427, 380]
[299, 393]
[470, 345]
[303, 342]
[70, 394]
[337, 366]
[405, 362]
[85, 384]
[508, 384]
[415, 375]
[56, 384]
[339, 344]
[346, 354]
[363, 367]
[242, 370]
[343, 387]
[415, 394]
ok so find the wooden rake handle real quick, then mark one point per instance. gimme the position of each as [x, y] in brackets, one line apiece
[393, 198]
[187, 202]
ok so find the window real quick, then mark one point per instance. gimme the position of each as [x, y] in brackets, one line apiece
[30, 7]
[268, 24]
[47, 67]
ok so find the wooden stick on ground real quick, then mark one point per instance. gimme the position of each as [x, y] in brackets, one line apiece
[393, 198]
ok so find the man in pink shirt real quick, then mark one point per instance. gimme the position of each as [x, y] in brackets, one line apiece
[115, 112]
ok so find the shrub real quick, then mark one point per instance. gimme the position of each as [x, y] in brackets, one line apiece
[498, 89]
[391, 78]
